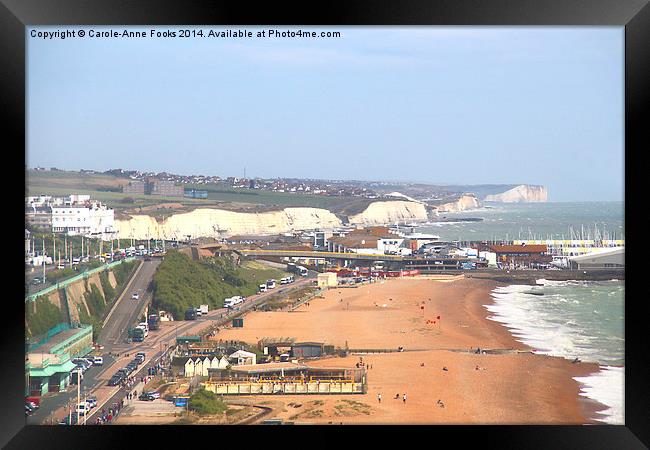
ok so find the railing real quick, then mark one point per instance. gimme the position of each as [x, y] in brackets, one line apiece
[248, 388]
[63, 284]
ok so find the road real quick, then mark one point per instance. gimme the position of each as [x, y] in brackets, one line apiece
[126, 310]
[114, 334]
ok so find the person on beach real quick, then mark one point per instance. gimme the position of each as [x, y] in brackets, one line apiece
[379, 397]
[396, 396]
[404, 398]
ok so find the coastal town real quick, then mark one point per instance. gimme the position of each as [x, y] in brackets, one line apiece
[353, 318]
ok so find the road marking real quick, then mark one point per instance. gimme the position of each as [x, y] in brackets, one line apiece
[110, 313]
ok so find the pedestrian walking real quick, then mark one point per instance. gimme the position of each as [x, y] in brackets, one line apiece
[404, 398]
[379, 397]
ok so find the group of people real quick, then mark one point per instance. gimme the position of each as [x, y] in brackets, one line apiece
[108, 416]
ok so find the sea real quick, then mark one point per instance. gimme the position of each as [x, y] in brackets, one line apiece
[573, 319]
[553, 220]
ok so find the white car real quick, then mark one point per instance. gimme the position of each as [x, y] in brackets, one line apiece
[98, 361]
[135, 296]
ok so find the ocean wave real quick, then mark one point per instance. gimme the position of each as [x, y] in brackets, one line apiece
[556, 324]
[608, 388]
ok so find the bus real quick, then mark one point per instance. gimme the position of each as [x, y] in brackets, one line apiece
[137, 334]
[154, 322]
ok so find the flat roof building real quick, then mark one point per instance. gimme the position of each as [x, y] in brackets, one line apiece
[50, 357]
[606, 258]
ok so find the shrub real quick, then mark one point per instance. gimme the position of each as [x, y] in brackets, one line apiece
[206, 402]
[42, 315]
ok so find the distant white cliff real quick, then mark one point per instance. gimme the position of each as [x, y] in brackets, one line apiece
[212, 222]
[466, 201]
[384, 213]
[524, 193]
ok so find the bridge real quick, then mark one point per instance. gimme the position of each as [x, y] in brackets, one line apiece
[322, 255]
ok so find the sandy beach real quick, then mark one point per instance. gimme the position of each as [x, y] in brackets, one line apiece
[510, 386]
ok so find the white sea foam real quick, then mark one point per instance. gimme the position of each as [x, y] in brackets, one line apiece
[546, 325]
[607, 387]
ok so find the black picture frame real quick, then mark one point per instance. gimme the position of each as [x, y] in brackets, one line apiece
[634, 15]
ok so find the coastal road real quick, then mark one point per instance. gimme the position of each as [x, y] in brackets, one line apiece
[126, 310]
[122, 317]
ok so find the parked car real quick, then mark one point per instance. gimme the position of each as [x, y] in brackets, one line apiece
[135, 296]
[82, 408]
[140, 354]
[36, 281]
[29, 410]
[149, 396]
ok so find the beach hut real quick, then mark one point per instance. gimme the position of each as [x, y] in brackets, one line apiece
[223, 362]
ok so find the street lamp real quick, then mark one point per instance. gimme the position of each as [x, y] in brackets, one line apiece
[78, 394]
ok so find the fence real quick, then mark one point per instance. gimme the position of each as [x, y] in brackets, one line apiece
[51, 332]
[63, 284]
[326, 387]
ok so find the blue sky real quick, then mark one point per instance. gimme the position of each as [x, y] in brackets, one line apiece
[442, 105]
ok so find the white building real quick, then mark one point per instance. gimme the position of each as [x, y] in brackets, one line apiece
[94, 219]
[243, 357]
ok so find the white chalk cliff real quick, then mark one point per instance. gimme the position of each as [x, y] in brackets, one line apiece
[210, 222]
[382, 213]
[463, 203]
[521, 194]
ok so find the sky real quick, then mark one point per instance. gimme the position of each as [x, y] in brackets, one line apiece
[439, 105]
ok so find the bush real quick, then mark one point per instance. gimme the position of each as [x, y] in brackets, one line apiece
[95, 301]
[181, 283]
[42, 315]
[123, 271]
[206, 402]
[109, 291]
[86, 319]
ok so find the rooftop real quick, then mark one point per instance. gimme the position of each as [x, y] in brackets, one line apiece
[518, 248]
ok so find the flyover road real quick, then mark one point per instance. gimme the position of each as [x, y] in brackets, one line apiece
[124, 313]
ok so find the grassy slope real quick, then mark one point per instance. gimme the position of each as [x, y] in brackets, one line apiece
[219, 195]
[181, 283]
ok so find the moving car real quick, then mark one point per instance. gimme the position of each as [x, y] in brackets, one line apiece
[135, 296]
[98, 361]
